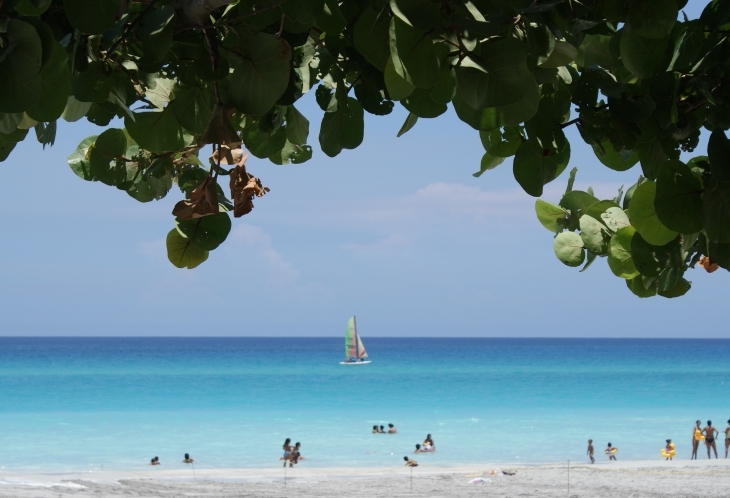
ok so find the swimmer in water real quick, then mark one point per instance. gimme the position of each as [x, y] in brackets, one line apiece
[418, 449]
[428, 444]
[410, 463]
[590, 451]
[287, 450]
[381, 430]
[727, 438]
[188, 459]
[375, 429]
[155, 461]
[392, 429]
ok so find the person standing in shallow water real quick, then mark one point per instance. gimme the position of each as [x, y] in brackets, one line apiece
[392, 429]
[710, 435]
[590, 451]
[611, 452]
[727, 438]
[696, 438]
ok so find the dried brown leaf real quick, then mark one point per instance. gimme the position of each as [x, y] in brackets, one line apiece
[219, 129]
[203, 201]
[244, 187]
[708, 264]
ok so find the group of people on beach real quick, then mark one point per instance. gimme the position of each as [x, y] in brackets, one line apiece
[291, 453]
[708, 434]
[381, 429]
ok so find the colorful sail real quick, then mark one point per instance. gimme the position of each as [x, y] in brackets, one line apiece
[351, 340]
[361, 348]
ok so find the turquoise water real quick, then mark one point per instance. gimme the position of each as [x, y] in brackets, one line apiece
[79, 403]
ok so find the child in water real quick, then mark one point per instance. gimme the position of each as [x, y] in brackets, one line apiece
[611, 452]
[590, 451]
[669, 450]
[410, 463]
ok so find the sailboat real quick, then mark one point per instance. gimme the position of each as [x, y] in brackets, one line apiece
[355, 353]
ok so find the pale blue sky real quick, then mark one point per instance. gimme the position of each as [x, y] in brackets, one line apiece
[397, 232]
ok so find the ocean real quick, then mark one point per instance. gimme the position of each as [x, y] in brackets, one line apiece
[77, 404]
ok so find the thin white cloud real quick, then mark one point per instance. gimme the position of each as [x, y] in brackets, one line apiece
[381, 246]
[280, 272]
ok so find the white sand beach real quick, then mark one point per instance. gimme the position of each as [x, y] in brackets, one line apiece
[645, 479]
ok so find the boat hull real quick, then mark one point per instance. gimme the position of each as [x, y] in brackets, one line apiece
[355, 362]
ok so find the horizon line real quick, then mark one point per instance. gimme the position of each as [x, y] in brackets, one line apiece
[338, 336]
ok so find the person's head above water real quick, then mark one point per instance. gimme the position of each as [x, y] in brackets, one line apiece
[609, 445]
[187, 456]
[405, 458]
[287, 441]
[381, 427]
[709, 422]
[375, 427]
[669, 440]
[590, 441]
[699, 422]
[418, 446]
[390, 425]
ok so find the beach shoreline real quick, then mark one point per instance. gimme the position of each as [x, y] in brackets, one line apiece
[646, 478]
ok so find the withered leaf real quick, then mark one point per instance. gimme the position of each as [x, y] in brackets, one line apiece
[203, 201]
[228, 156]
[244, 187]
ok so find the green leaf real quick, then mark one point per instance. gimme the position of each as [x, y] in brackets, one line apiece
[619, 253]
[495, 117]
[535, 167]
[111, 144]
[155, 22]
[413, 54]
[420, 103]
[26, 7]
[192, 107]
[157, 131]
[642, 56]
[615, 219]
[488, 162]
[652, 159]
[649, 259]
[496, 74]
[332, 21]
[540, 42]
[718, 152]
[292, 153]
[680, 289]
[643, 216]
[9, 122]
[421, 14]
[92, 85]
[92, 16]
[342, 131]
[594, 51]
[20, 83]
[568, 247]
[297, 126]
[594, 234]
[445, 88]
[55, 88]
[262, 76]
[563, 54]
[397, 87]
[678, 200]
[182, 252]
[409, 123]
[687, 47]
[75, 110]
[551, 216]
[6, 148]
[151, 188]
[637, 286]
[502, 143]
[716, 210]
[617, 161]
[207, 232]
[79, 160]
[372, 37]
[652, 18]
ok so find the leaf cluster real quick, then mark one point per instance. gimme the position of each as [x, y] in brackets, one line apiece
[639, 85]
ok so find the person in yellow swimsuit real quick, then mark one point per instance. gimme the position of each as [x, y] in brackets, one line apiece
[696, 438]
[611, 452]
[668, 452]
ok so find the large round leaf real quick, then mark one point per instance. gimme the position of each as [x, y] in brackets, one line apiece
[488, 162]
[149, 188]
[495, 74]
[502, 143]
[534, 167]
[653, 18]
[207, 232]
[93, 84]
[262, 76]
[342, 130]
[618, 161]
[680, 289]
[182, 252]
[20, 64]
[642, 287]
[55, 88]
[422, 105]
[413, 54]
[678, 200]
[79, 160]
[92, 16]
[193, 106]
[641, 55]
[372, 38]
[551, 216]
[615, 219]
[568, 247]
[643, 216]
[594, 234]
[619, 253]
[650, 260]
[492, 118]
[111, 144]
[157, 131]
[397, 87]
[75, 109]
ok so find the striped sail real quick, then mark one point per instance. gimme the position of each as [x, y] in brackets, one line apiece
[353, 344]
